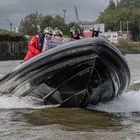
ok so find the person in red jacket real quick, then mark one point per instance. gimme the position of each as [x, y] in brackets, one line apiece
[36, 44]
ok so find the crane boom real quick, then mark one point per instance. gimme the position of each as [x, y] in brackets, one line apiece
[76, 13]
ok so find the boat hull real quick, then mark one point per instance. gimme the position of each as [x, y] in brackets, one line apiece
[75, 74]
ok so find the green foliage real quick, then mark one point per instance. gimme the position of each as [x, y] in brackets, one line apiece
[46, 21]
[8, 36]
[29, 24]
[111, 4]
[129, 4]
[125, 14]
[129, 47]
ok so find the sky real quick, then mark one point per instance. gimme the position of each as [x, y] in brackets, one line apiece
[12, 11]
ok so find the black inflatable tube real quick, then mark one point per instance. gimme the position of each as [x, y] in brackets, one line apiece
[78, 73]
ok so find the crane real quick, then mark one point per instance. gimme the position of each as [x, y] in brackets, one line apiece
[76, 13]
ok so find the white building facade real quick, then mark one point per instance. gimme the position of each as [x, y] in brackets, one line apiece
[87, 26]
[113, 37]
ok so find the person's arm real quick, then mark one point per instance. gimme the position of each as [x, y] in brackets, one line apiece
[32, 46]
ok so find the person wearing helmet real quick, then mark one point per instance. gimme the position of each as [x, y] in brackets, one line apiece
[48, 31]
[74, 33]
[36, 44]
[57, 36]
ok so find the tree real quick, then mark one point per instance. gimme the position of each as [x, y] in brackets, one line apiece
[29, 25]
[111, 4]
[126, 11]
[46, 22]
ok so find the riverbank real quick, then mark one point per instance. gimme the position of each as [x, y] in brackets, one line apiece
[17, 51]
[129, 47]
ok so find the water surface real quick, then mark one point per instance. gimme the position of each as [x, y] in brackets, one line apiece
[25, 119]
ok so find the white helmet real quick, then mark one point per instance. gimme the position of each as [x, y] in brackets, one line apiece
[57, 32]
[48, 30]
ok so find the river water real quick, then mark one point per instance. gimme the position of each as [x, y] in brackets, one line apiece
[24, 119]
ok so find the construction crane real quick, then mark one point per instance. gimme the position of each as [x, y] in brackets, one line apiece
[76, 13]
[11, 24]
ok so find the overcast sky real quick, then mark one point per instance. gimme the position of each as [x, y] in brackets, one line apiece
[14, 10]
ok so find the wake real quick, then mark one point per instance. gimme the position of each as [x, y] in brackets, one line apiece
[127, 102]
[14, 102]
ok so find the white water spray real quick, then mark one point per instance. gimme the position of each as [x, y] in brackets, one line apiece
[127, 102]
[12, 102]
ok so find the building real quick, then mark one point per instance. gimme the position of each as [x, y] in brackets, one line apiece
[116, 36]
[87, 26]
[124, 36]
[111, 36]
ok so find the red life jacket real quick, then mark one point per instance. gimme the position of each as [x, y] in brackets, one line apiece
[32, 48]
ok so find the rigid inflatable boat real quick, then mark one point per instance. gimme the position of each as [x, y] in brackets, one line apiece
[75, 74]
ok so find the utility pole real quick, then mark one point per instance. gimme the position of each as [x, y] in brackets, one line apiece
[117, 2]
[64, 15]
[120, 26]
[11, 25]
[127, 26]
